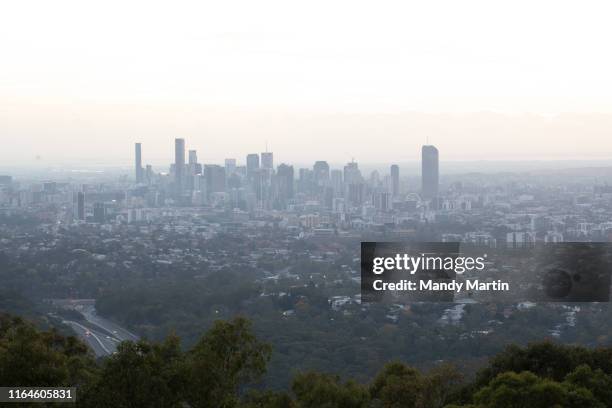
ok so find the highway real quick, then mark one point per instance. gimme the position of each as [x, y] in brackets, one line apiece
[101, 344]
[100, 334]
[89, 312]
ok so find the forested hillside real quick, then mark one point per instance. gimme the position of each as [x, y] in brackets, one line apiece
[223, 368]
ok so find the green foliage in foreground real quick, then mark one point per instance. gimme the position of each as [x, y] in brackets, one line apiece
[221, 370]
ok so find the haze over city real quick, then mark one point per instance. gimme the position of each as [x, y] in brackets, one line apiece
[483, 83]
[279, 204]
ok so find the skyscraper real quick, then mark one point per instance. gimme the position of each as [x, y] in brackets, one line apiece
[179, 163]
[395, 180]
[352, 175]
[267, 160]
[429, 171]
[306, 181]
[356, 194]
[138, 162]
[215, 178]
[230, 167]
[193, 157]
[321, 172]
[149, 173]
[285, 177]
[80, 205]
[382, 201]
[252, 161]
[337, 182]
[99, 212]
[193, 168]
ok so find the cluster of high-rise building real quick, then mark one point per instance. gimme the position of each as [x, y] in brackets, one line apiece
[490, 209]
[258, 184]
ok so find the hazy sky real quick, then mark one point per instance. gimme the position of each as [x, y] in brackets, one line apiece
[83, 80]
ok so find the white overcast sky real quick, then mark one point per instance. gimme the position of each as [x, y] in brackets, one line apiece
[83, 80]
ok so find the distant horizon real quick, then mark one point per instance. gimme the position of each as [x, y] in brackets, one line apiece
[407, 168]
[372, 82]
[299, 137]
[127, 163]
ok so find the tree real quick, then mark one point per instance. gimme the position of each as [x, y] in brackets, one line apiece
[267, 399]
[397, 385]
[596, 381]
[438, 385]
[140, 374]
[513, 390]
[227, 357]
[317, 390]
[30, 357]
[545, 359]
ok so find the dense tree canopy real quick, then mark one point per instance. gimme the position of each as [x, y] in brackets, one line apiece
[30, 357]
[223, 367]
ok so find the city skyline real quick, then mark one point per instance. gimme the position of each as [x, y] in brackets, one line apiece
[259, 184]
[370, 138]
[255, 162]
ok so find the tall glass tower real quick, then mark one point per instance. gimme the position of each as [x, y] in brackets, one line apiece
[430, 176]
[179, 163]
[138, 162]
